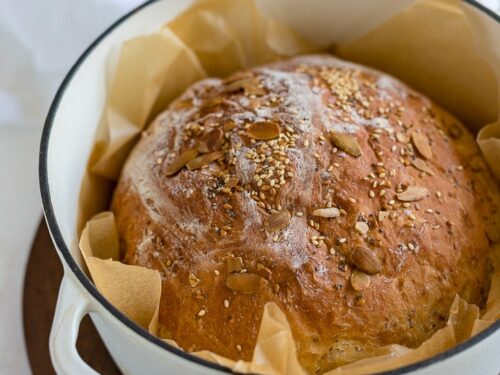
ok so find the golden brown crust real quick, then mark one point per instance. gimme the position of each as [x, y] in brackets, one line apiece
[365, 175]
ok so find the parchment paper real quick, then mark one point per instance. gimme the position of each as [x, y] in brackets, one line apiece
[434, 45]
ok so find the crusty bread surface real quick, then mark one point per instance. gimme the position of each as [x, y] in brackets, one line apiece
[354, 203]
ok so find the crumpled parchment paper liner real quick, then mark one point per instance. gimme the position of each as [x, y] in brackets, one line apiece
[488, 140]
[488, 137]
[236, 34]
[134, 290]
[275, 336]
[133, 102]
[457, 329]
[421, 48]
[451, 64]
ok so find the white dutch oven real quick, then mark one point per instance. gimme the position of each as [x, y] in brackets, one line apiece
[66, 143]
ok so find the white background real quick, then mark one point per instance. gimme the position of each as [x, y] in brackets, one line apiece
[39, 41]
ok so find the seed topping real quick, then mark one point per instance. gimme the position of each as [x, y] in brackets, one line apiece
[346, 143]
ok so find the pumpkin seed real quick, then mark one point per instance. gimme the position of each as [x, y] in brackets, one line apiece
[193, 280]
[232, 182]
[359, 280]
[203, 160]
[264, 130]
[327, 212]
[229, 125]
[366, 260]
[238, 76]
[234, 264]
[278, 220]
[212, 102]
[211, 141]
[421, 143]
[413, 193]
[245, 282]
[253, 87]
[421, 165]
[250, 85]
[346, 143]
[180, 161]
[234, 86]
[402, 137]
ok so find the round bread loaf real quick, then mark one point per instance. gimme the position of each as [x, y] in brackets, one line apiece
[351, 201]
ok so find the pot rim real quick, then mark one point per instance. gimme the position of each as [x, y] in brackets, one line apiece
[90, 287]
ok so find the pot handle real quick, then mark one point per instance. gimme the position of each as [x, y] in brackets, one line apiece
[71, 307]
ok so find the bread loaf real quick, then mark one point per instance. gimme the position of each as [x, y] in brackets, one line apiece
[353, 202]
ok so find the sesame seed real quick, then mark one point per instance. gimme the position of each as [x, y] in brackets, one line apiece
[226, 303]
[202, 312]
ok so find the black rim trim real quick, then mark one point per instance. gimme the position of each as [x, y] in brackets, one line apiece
[89, 286]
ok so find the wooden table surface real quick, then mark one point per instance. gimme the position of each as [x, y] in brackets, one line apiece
[41, 285]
